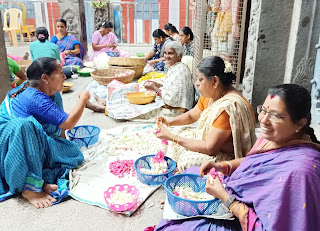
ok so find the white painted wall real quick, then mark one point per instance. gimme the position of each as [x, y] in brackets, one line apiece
[174, 13]
[140, 32]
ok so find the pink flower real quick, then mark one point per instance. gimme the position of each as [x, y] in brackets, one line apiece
[158, 131]
[165, 142]
[159, 157]
[176, 193]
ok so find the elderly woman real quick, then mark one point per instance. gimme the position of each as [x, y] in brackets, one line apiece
[71, 50]
[104, 40]
[186, 39]
[155, 57]
[33, 150]
[177, 91]
[276, 186]
[226, 121]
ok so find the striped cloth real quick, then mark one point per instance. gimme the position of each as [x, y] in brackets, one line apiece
[28, 156]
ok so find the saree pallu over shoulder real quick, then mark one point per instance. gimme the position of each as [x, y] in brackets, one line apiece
[28, 156]
[282, 186]
[242, 128]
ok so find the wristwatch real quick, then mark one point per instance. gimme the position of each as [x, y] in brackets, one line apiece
[229, 201]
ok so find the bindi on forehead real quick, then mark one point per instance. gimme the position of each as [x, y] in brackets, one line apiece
[272, 96]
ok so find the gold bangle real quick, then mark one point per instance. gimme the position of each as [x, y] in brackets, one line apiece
[178, 137]
[233, 206]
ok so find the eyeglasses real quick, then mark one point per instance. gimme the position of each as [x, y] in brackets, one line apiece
[274, 117]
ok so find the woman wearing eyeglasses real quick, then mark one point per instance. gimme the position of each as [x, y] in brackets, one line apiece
[276, 186]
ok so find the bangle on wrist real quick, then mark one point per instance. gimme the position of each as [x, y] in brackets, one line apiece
[229, 201]
[230, 167]
[226, 168]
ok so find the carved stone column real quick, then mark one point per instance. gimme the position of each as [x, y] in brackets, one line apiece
[5, 76]
[101, 15]
[281, 40]
[73, 12]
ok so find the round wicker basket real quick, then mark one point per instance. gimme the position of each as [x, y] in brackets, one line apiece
[138, 70]
[140, 97]
[23, 64]
[105, 76]
[122, 61]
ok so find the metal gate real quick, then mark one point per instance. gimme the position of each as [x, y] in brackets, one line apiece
[315, 92]
[214, 32]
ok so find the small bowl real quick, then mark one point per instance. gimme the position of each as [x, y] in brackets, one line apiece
[124, 207]
[67, 86]
[140, 54]
[140, 97]
[113, 53]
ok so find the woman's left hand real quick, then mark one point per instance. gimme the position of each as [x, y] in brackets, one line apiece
[216, 189]
[150, 85]
[163, 133]
[67, 52]
[151, 62]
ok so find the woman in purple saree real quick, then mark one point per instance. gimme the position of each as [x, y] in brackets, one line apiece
[71, 50]
[276, 187]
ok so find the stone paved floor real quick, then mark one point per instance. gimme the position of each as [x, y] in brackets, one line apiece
[17, 214]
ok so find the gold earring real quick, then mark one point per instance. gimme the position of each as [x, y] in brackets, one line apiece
[297, 131]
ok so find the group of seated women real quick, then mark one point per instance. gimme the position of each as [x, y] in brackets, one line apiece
[66, 47]
[155, 57]
[271, 183]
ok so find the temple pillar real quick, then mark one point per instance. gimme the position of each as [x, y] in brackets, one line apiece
[74, 14]
[281, 40]
[5, 76]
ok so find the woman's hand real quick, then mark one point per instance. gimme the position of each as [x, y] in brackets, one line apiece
[67, 52]
[163, 133]
[207, 165]
[216, 189]
[151, 62]
[161, 120]
[84, 96]
[150, 85]
[111, 45]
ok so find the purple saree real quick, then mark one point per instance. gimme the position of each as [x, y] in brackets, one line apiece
[67, 43]
[281, 187]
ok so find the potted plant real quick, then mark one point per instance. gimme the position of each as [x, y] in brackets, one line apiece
[99, 4]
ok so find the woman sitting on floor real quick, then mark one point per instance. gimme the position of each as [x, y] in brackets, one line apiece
[71, 50]
[276, 187]
[155, 57]
[104, 40]
[226, 124]
[177, 91]
[33, 150]
[186, 39]
[42, 47]
[172, 31]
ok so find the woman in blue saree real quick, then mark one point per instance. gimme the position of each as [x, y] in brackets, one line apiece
[33, 151]
[276, 187]
[71, 50]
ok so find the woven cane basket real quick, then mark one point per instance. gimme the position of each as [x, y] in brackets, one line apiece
[23, 64]
[122, 61]
[105, 76]
[138, 70]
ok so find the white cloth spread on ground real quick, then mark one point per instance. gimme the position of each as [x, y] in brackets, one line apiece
[128, 142]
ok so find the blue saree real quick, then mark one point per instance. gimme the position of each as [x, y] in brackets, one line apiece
[67, 43]
[32, 153]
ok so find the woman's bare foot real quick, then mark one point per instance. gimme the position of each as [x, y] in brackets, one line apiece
[95, 108]
[99, 100]
[38, 200]
[49, 188]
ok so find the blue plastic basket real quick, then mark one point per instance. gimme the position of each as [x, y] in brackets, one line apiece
[187, 207]
[84, 136]
[113, 53]
[150, 179]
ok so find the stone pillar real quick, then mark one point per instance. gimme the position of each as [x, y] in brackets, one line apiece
[74, 14]
[5, 76]
[281, 40]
